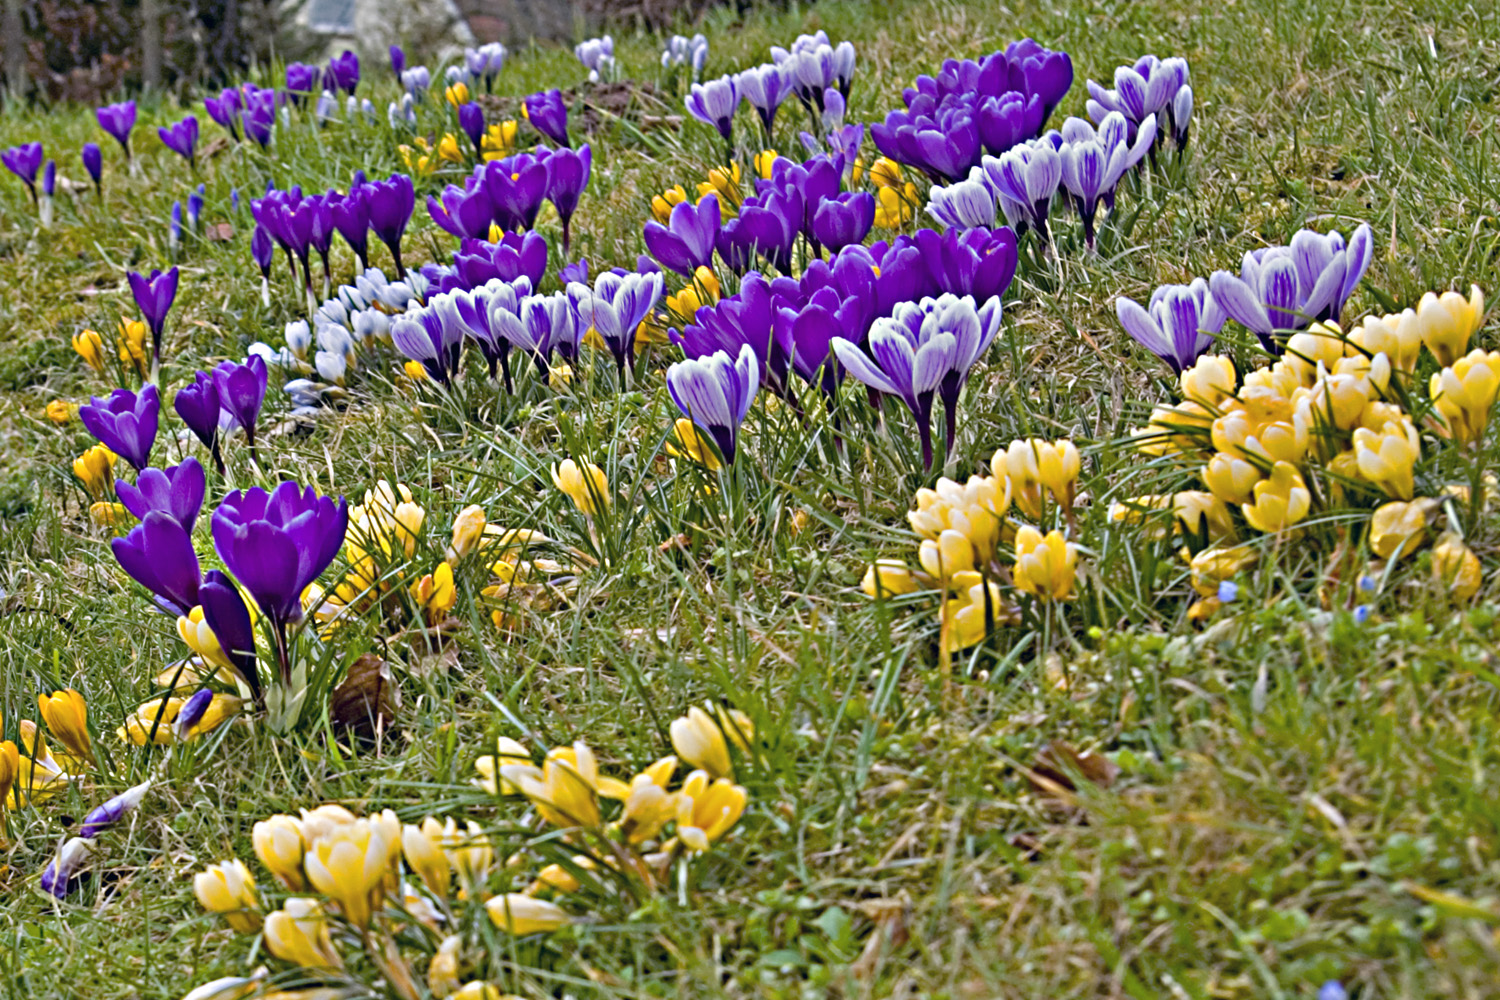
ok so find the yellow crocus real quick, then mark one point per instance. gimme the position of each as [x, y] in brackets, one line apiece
[468, 529]
[978, 607]
[707, 808]
[1032, 464]
[888, 578]
[457, 93]
[298, 933]
[419, 160]
[687, 443]
[442, 971]
[1213, 566]
[1230, 478]
[60, 411]
[414, 370]
[280, 846]
[95, 469]
[449, 149]
[1464, 393]
[703, 291]
[1209, 382]
[10, 767]
[507, 752]
[152, 722]
[229, 888]
[423, 846]
[585, 485]
[1387, 457]
[1045, 566]
[698, 740]
[948, 554]
[131, 346]
[974, 509]
[763, 162]
[1397, 336]
[67, 717]
[499, 140]
[435, 593]
[349, 865]
[725, 184]
[1202, 514]
[1399, 526]
[662, 204]
[1279, 501]
[519, 914]
[479, 990]
[648, 808]
[90, 347]
[1446, 322]
[1455, 566]
[565, 790]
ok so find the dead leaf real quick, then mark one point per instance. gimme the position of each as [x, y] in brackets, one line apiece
[1059, 762]
[218, 232]
[890, 918]
[365, 703]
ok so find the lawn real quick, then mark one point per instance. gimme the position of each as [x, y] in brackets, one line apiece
[1143, 790]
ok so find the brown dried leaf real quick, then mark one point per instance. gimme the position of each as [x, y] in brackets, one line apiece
[1056, 766]
[218, 232]
[365, 703]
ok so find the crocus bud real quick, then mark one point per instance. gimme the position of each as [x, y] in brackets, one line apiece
[111, 812]
[349, 866]
[279, 846]
[423, 847]
[888, 578]
[1456, 567]
[519, 914]
[192, 712]
[298, 933]
[62, 866]
[1399, 527]
[1045, 566]
[698, 740]
[66, 715]
[585, 485]
[229, 888]
[468, 529]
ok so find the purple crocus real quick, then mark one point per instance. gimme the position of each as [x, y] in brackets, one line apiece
[301, 80]
[538, 325]
[193, 709]
[471, 120]
[182, 139]
[732, 322]
[977, 262]
[516, 255]
[1179, 324]
[158, 554]
[398, 60]
[93, 162]
[242, 389]
[764, 87]
[24, 161]
[199, 407]
[343, 72]
[615, 307]
[59, 871]
[686, 242]
[118, 120]
[177, 491]
[516, 187]
[351, 217]
[715, 393]
[154, 296]
[125, 423]
[843, 220]
[767, 224]
[567, 176]
[713, 103]
[227, 616]
[945, 145]
[225, 110]
[465, 214]
[424, 337]
[391, 202]
[276, 544]
[102, 817]
[259, 117]
[548, 115]
[1288, 288]
[922, 350]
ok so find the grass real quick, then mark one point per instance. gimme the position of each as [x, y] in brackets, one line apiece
[1299, 797]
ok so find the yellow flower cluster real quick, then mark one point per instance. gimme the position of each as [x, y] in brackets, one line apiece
[31, 772]
[962, 527]
[130, 347]
[721, 182]
[1325, 426]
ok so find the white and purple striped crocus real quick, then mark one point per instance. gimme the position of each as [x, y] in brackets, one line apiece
[713, 103]
[1288, 288]
[1178, 325]
[964, 204]
[1024, 180]
[1151, 88]
[102, 817]
[539, 325]
[764, 87]
[715, 393]
[64, 865]
[615, 307]
[924, 350]
[1094, 162]
[422, 336]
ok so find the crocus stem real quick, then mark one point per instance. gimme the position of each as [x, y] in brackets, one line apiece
[396, 257]
[950, 411]
[218, 455]
[283, 653]
[510, 386]
[250, 439]
[566, 236]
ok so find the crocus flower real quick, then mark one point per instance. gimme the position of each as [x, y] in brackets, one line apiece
[843, 220]
[764, 87]
[93, 162]
[686, 243]
[391, 202]
[343, 72]
[1094, 163]
[615, 307]
[713, 103]
[1024, 180]
[198, 406]
[423, 337]
[351, 217]
[921, 350]
[548, 115]
[118, 120]
[767, 224]
[692, 51]
[125, 423]
[515, 187]
[597, 56]
[471, 312]
[538, 326]
[1145, 90]
[416, 80]
[715, 393]
[182, 138]
[158, 554]
[944, 145]
[24, 161]
[225, 110]
[1178, 326]
[154, 296]
[732, 322]
[229, 619]
[64, 864]
[471, 120]
[514, 256]
[195, 207]
[567, 176]
[1288, 288]
[301, 80]
[102, 817]
[177, 491]
[398, 60]
[485, 62]
[242, 389]
[963, 204]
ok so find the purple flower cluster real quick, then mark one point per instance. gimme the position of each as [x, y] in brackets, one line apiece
[971, 108]
[301, 224]
[1150, 89]
[247, 111]
[509, 193]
